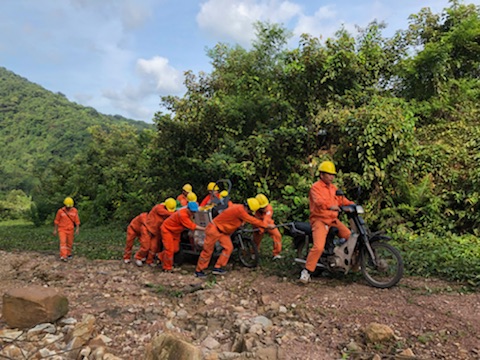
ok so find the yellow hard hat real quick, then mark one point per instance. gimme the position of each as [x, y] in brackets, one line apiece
[327, 167]
[187, 188]
[262, 200]
[171, 204]
[68, 202]
[191, 196]
[253, 204]
[223, 193]
[212, 186]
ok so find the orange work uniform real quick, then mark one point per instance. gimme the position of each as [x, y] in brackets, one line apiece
[137, 229]
[220, 230]
[155, 219]
[171, 231]
[65, 221]
[322, 197]
[266, 217]
[182, 199]
[208, 199]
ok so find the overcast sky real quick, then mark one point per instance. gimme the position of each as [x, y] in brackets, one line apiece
[120, 56]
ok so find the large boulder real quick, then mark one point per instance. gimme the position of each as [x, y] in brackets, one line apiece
[169, 347]
[33, 305]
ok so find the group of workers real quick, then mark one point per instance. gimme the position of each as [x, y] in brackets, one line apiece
[163, 225]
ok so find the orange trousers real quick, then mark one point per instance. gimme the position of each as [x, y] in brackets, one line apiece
[276, 237]
[155, 241]
[66, 243]
[144, 238]
[212, 235]
[320, 231]
[171, 245]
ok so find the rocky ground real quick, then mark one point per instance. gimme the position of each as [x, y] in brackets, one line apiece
[246, 314]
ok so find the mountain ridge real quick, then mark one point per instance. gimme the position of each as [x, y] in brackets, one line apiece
[38, 126]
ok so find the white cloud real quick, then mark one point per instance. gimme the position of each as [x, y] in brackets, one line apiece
[230, 20]
[158, 72]
[322, 23]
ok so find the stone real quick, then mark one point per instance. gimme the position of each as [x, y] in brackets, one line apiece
[269, 353]
[210, 343]
[81, 335]
[262, 320]
[375, 333]
[33, 305]
[10, 335]
[405, 354]
[170, 347]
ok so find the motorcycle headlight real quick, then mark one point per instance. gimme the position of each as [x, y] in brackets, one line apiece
[359, 209]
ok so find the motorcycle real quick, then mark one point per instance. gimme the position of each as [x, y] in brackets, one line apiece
[191, 243]
[379, 262]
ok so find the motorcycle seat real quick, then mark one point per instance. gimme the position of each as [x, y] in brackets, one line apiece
[301, 228]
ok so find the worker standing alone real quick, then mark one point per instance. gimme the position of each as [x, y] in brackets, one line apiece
[65, 222]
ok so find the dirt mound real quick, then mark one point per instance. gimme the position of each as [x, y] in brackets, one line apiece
[248, 312]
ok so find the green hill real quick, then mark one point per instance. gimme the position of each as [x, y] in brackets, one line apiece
[38, 127]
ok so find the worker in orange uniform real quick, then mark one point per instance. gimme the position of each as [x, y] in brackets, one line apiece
[212, 193]
[137, 229]
[265, 213]
[182, 198]
[324, 209]
[171, 231]
[64, 225]
[220, 230]
[155, 219]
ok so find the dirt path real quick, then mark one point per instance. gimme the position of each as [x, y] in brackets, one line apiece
[324, 320]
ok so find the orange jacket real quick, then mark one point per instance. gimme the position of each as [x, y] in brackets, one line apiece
[177, 222]
[322, 197]
[156, 217]
[207, 199]
[138, 221]
[266, 216]
[182, 199]
[233, 217]
[66, 219]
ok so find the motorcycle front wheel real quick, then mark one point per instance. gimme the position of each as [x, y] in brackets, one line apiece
[247, 251]
[389, 268]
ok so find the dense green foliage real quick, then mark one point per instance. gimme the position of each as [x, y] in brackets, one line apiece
[399, 117]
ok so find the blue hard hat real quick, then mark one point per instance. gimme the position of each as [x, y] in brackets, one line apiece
[192, 206]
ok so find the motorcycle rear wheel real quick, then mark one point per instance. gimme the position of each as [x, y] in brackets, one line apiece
[247, 252]
[389, 269]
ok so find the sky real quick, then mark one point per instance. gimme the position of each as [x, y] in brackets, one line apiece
[121, 56]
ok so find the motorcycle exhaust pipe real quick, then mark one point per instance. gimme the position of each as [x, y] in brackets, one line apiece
[303, 261]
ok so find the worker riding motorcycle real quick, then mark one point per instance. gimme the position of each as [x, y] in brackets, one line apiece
[344, 249]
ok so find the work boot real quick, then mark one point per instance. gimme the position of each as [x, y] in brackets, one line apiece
[219, 271]
[200, 274]
[304, 276]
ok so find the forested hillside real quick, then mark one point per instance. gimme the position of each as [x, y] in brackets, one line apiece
[38, 127]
